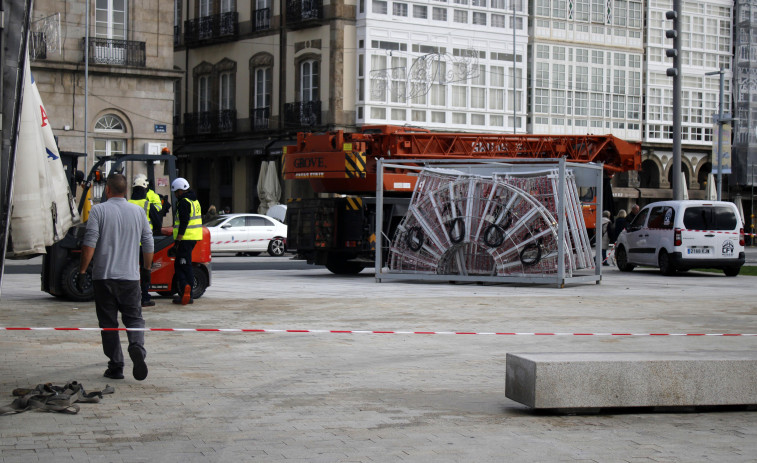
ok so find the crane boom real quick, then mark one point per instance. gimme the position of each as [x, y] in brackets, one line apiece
[339, 162]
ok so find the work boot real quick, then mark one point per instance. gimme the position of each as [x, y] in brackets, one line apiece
[114, 373]
[148, 303]
[186, 296]
[140, 367]
[177, 300]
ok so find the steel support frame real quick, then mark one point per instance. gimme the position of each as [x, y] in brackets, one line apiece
[587, 175]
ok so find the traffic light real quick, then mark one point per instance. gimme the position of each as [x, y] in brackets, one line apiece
[674, 52]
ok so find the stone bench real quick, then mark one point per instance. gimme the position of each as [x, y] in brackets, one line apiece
[575, 380]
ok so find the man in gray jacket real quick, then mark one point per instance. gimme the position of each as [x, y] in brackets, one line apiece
[112, 240]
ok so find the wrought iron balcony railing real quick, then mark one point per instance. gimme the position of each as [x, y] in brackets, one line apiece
[260, 118]
[116, 52]
[210, 29]
[210, 122]
[302, 114]
[299, 11]
[262, 19]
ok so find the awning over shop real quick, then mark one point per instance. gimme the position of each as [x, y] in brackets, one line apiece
[277, 147]
[236, 147]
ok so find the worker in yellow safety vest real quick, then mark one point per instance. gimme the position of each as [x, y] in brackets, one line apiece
[139, 197]
[187, 231]
[153, 197]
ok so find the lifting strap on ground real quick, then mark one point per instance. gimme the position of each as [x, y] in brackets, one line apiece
[51, 398]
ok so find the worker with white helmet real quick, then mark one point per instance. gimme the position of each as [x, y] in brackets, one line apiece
[187, 231]
[154, 198]
[139, 197]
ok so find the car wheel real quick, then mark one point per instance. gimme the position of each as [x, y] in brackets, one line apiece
[731, 271]
[276, 247]
[663, 261]
[621, 258]
[201, 282]
[68, 283]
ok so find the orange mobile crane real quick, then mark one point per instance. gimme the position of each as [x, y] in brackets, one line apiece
[340, 232]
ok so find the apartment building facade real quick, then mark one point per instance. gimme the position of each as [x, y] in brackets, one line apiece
[255, 74]
[130, 81]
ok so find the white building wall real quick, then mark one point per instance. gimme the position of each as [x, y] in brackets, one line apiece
[586, 67]
[442, 66]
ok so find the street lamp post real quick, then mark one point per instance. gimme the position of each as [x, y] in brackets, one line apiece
[721, 121]
[515, 112]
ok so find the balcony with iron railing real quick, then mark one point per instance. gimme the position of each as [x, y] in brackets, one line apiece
[217, 28]
[116, 52]
[303, 13]
[260, 118]
[302, 114]
[213, 123]
[262, 20]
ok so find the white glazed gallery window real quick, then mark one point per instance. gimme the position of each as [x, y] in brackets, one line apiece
[399, 9]
[379, 7]
[496, 88]
[420, 11]
[478, 89]
[460, 16]
[439, 14]
[398, 91]
[479, 19]
[378, 78]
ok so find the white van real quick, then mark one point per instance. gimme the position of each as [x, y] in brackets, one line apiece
[681, 235]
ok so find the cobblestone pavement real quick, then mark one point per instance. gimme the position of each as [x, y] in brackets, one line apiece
[360, 397]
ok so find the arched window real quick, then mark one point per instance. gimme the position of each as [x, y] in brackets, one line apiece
[110, 123]
[310, 77]
[108, 142]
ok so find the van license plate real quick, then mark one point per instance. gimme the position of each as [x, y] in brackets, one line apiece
[699, 251]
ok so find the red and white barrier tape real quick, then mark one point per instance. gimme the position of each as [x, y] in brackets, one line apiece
[255, 330]
[238, 241]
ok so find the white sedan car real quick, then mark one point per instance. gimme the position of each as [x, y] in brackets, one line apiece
[247, 233]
